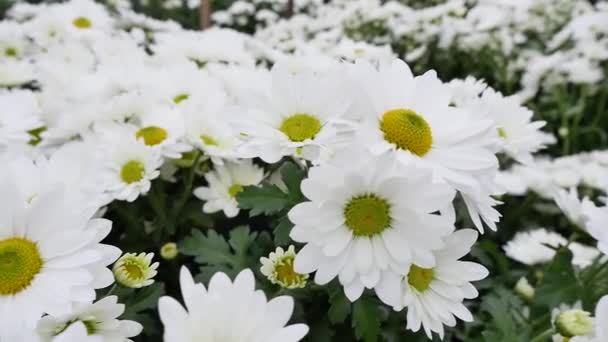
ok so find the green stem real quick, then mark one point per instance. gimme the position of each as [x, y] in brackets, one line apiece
[542, 337]
[111, 290]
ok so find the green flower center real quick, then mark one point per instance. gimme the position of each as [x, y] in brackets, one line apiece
[10, 52]
[367, 215]
[502, 133]
[133, 171]
[207, 140]
[133, 269]
[235, 189]
[82, 23]
[35, 135]
[153, 135]
[420, 278]
[285, 274]
[408, 130]
[181, 97]
[20, 262]
[300, 127]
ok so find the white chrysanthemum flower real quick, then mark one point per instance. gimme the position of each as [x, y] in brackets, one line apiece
[15, 73]
[411, 118]
[82, 17]
[574, 209]
[297, 114]
[278, 268]
[520, 136]
[365, 218]
[225, 182]
[50, 257]
[434, 295]
[538, 247]
[99, 319]
[130, 167]
[135, 270]
[77, 332]
[208, 129]
[162, 128]
[213, 313]
[596, 226]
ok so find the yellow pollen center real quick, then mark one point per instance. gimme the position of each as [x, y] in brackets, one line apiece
[300, 127]
[10, 52]
[181, 97]
[235, 189]
[420, 278]
[408, 130]
[207, 140]
[285, 273]
[82, 23]
[20, 262]
[153, 135]
[133, 171]
[367, 215]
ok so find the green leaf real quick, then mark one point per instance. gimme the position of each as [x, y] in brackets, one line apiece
[595, 281]
[281, 232]
[210, 249]
[560, 283]
[265, 199]
[241, 239]
[366, 319]
[292, 176]
[320, 331]
[339, 308]
[142, 299]
[506, 323]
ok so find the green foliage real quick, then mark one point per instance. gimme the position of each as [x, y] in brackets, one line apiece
[506, 321]
[366, 319]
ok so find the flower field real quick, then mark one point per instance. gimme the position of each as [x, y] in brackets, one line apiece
[307, 170]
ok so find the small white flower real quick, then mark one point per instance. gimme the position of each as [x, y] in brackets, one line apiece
[278, 268]
[135, 270]
[574, 209]
[215, 313]
[99, 319]
[225, 182]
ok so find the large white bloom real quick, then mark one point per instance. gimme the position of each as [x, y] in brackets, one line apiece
[433, 295]
[411, 118]
[227, 311]
[297, 114]
[99, 318]
[50, 257]
[368, 217]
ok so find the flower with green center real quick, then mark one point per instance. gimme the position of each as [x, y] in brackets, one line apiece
[181, 97]
[169, 251]
[278, 268]
[300, 127]
[234, 189]
[152, 135]
[20, 262]
[135, 270]
[420, 278]
[10, 52]
[367, 215]
[82, 23]
[133, 171]
[408, 130]
[574, 322]
[209, 141]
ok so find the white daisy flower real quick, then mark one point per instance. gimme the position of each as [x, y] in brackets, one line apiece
[50, 257]
[412, 118]
[297, 114]
[574, 209]
[365, 218]
[135, 270]
[213, 313]
[99, 319]
[278, 268]
[15, 73]
[130, 166]
[225, 182]
[77, 332]
[596, 226]
[434, 295]
[82, 17]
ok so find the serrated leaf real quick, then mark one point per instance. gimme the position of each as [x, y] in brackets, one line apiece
[240, 240]
[560, 283]
[292, 176]
[210, 249]
[503, 306]
[265, 199]
[366, 319]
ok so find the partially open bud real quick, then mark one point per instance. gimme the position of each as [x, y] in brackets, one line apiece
[574, 322]
[169, 251]
[524, 289]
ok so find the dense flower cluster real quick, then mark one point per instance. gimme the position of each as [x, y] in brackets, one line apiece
[371, 172]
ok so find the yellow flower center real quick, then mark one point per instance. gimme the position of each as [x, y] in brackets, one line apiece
[82, 23]
[20, 262]
[133, 171]
[420, 278]
[181, 97]
[207, 140]
[153, 135]
[235, 189]
[285, 274]
[10, 52]
[300, 127]
[408, 130]
[367, 215]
